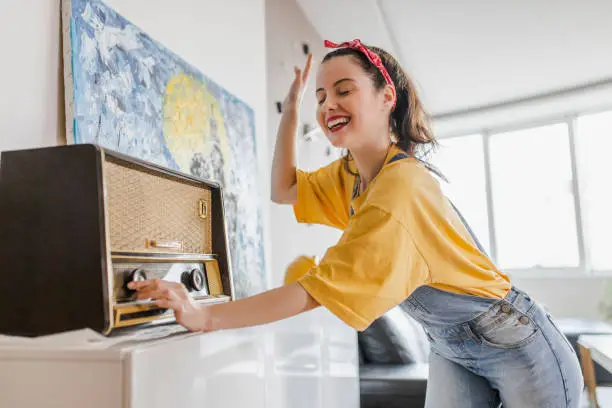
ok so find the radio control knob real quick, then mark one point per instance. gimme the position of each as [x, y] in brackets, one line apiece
[196, 279]
[138, 275]
[134, 276]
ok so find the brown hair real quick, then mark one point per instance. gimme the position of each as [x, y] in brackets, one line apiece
[408, 121]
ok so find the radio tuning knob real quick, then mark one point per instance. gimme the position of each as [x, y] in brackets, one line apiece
[134, 276]
[196, 279]
[138, 275]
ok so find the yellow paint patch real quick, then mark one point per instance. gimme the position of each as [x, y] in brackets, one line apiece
[188, 110]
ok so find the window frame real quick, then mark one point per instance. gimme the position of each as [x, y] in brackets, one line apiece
[584, 270]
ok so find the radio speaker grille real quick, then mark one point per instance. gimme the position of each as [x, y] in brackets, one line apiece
[149, 210]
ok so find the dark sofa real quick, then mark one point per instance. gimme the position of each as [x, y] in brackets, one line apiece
[394, 352]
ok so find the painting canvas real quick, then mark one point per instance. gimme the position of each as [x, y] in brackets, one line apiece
[127, 92]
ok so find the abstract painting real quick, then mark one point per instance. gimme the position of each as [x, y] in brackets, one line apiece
[127, 92]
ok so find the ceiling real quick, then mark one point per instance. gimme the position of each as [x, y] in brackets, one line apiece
[473, 53]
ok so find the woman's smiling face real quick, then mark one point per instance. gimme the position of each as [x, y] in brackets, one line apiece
[351, 111]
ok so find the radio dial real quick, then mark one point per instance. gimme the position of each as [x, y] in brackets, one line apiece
[196, 279]
[138, 275]
[135, 276]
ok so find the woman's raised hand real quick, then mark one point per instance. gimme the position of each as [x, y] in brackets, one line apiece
[296, 91]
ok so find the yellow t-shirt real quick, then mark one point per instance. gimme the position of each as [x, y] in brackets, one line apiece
[399, 234]
[298, 268]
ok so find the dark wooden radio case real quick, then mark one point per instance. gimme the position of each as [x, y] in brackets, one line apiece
[58, 246]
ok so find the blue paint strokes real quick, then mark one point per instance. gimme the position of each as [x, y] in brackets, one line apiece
[119, 82]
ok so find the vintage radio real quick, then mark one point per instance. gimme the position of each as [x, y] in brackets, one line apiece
[78, 222]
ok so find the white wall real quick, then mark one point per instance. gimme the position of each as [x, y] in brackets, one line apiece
[569, 297]
[286, 29]
[31, 98]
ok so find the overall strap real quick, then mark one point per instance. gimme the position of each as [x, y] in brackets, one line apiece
[467, 226]
[395, 158]
[401, 156]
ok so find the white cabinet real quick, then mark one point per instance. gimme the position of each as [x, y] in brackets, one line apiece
[307, 361]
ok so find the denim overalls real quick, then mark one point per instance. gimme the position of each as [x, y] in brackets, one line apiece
[489, 351]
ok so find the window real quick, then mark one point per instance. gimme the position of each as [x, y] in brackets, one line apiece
[532, 196]
[593, 150]
[519, 191]
[461, 161]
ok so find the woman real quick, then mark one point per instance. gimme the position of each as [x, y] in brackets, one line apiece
[403, 243]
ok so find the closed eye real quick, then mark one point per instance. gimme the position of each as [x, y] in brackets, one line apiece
[341, 93]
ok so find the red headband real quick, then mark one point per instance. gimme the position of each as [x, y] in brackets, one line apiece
[370, 55]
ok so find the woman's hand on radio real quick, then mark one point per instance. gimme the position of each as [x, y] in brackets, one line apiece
[171, 295]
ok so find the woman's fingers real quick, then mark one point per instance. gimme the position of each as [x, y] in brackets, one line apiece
[297, 82]
[166, 304]
[170, 301]
[302, 76]
[307, 68]
[139, 285]
[145, 286]
[152, 293]
[155, 289]
[297, 86]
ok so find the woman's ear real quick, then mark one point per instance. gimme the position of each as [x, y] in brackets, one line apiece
[389, 96]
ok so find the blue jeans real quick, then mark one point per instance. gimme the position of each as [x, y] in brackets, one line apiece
[489, 351]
